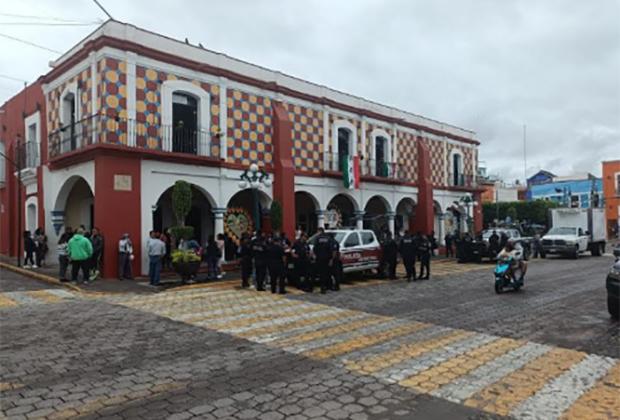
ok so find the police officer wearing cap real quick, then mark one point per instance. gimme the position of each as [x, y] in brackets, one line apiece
[300, 253]
[245, 253]
[424, 252]
[390, 255]
[260, 257]
[336, 272]
[324, 254]
[276, 258]
[407, 249]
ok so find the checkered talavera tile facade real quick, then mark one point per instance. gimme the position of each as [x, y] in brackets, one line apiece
[149, 107]
[249, 129]
[307, 137]
[113, 97]
[408, 155]
[84, 83]
[438, 163]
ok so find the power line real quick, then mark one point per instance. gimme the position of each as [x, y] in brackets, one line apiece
[51, 23]
[32, 44]
[14, 15]
[4, 76]
[104, 10]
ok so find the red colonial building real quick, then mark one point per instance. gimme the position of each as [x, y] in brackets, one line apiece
[126, 112]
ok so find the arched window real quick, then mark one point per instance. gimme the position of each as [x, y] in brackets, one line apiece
[69, 116]
[184, 123]
[344, 142]
[456, 168]
[381, 153]
[185, 118]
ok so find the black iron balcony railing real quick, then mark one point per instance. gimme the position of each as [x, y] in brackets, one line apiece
[461, 180]
[371, 167]
[27, 155]
[131, 133]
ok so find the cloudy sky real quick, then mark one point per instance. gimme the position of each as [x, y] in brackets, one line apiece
[489, 66]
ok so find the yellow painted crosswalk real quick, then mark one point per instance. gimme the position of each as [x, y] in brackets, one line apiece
[498, 375]
[15, 300]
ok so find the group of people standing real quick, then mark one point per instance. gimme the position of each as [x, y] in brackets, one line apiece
[275, 257]
[411, 248]
[83, 249]
[35, 248]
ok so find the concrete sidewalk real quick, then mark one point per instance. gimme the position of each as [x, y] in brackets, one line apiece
[49, 274]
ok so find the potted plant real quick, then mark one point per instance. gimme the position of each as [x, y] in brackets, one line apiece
[185, 261]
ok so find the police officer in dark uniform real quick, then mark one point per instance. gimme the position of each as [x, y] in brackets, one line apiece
[324, 255]
[260, 257]
[300, 253]
[245, 253]
[408, 251]
[336, 266]
[275, 264]
[390, 255]
[424, 252]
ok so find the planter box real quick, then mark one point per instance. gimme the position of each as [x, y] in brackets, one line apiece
[186, 269]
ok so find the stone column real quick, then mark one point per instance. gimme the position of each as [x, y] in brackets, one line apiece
[440, 232]
[218, 225]
[320, 219]
[390, 216]
[359, 219]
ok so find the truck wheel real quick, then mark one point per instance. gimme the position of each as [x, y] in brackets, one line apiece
[575, 254]
[596, 250]
[542, 254]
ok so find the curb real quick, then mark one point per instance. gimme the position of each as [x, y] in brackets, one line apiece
[41, 277]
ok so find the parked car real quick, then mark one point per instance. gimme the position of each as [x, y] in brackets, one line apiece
[359, 249]
[513, 235]
[613, 290]
[616, 250]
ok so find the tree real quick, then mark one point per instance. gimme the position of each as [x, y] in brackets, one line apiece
[181, 205]
[181, 201]
[276, 215]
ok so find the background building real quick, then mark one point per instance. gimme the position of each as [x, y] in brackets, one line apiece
[611, 191]
[583, 190]
[126, 112]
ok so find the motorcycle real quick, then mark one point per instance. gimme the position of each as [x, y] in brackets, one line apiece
[505, 277]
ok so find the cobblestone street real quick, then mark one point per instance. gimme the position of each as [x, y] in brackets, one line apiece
[438, 349]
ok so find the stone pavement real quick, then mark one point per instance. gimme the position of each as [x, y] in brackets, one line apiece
[385, 351]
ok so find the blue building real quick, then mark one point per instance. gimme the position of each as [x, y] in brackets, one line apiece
[570, 191]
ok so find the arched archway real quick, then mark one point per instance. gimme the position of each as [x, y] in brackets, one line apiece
[375, 214]
[74, 205]
[241, 214]
[306, 206]
[341, 211]
[200, 216]
[405, 215]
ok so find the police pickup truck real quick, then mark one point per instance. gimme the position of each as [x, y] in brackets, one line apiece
[359, 249]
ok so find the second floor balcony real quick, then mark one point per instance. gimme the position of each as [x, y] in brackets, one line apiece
[101, 129]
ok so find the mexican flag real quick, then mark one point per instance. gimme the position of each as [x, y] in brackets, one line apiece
[351, 171]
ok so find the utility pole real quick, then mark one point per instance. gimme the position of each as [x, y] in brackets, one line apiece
[524, 154]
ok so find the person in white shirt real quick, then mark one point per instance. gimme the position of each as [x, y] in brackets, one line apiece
[125, 256]
[156, 249]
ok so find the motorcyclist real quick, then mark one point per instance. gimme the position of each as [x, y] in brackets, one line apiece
[514, 252]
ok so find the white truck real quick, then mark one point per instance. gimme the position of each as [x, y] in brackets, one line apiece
[575, 231]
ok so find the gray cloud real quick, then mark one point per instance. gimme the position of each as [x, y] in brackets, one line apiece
[481, 64]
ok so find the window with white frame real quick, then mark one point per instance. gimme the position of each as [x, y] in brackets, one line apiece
[456, 168]
[185, 118]
[344, 142]
[32, 143]
[69, 116]
[381, 153]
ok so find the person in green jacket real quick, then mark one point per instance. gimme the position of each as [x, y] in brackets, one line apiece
[79, 250]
